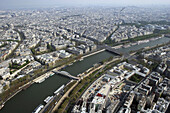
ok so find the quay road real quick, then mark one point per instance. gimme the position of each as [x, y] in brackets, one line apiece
[63, 97]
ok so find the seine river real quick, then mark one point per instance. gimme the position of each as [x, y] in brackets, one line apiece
[26, 101]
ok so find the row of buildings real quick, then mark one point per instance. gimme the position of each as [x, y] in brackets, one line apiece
[161, 55]
[128, 32]
[7, 49]
[52, 58]
[108, 91]
[146, 97]
[93, 23]
[82, 49]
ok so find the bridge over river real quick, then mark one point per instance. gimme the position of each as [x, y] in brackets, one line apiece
[112, 50]
[66, 74]
[115, 51]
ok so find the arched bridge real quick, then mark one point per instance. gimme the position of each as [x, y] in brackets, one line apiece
[66, 74]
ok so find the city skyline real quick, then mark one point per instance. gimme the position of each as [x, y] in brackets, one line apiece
[86, 56]
[17, 4]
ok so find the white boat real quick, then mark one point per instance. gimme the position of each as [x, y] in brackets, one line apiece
[133, 44]
[70, 64]
[126, 46]
[48, 99]
[1, 106]
[78, 75]
[143, 41]
[40, 80]
[59, 89]
[81, 59]
[52, 74]
[38, 109]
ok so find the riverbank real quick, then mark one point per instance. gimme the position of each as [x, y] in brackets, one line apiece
[146, 44]
[37, 89]
[51, 104]
[27, 85]
[41, 77]
[86, 81]
[68, 92]
[130, 44]
[15, 93]
[149, 48]
[64, 96]
[19, 88]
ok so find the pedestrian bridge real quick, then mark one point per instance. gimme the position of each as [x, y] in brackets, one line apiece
[66, 74]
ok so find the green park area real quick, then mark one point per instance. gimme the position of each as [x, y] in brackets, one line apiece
[14, 66]
[136, 78]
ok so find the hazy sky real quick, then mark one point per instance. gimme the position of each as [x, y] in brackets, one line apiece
[8, 4]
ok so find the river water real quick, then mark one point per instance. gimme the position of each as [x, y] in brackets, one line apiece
[81, 66]
[26, 101]
[149, 44]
